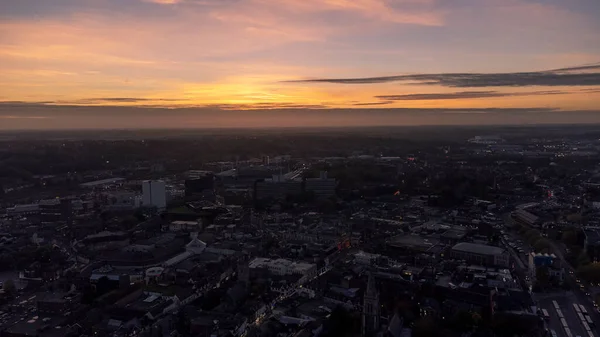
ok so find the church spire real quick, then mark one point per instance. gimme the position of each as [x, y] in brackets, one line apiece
[371, 310]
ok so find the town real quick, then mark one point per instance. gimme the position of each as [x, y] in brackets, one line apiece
[480, 231]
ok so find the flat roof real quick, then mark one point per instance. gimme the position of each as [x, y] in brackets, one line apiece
[101, 182]
[454, 234]
[527, 216]
[477, 248]
[413, 241]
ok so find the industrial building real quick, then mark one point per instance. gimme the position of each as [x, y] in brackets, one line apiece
[524, 217]
[479, 254]
[322, 187]
[276, 188]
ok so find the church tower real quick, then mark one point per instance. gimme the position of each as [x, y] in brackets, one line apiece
[371, 309]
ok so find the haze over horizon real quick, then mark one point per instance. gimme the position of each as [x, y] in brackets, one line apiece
[68, 64]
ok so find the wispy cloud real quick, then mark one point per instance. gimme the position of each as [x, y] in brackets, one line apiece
[94, 101]
[266, 106]
[23, 117]
[164, 2]
[594, 66]
[558, 77]
[372, 103]
[403, 12]
[120, 100]
[465, 95]
[155, 103]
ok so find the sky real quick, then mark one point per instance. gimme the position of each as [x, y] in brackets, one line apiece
[239, 63]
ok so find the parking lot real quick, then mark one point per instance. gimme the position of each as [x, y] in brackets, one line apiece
[517, 244]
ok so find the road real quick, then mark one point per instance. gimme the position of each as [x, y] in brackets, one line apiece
[564, 299]
[565, 302]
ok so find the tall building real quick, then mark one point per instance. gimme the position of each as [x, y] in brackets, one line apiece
[276, 188]
[198, 182]
[154, 194]
[371, 311]
[322, 187]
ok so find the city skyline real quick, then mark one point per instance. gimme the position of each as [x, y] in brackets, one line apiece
[195, 58]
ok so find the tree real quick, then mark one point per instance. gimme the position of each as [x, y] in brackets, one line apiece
[542, 276]
[182, 323]
[103, 286]
[129, 221]
[575, 217]
[583, 259]
[510, 325]
[341, 323]
[9, 287]
[463, 321]
[569, 237]
[105, 216]
[425, 327]
[523, 230]
[139, 215]
[532, 235]
[541, 244]
[589, 272]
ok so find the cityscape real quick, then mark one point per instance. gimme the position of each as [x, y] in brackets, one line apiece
[318, 232]
[299, 168]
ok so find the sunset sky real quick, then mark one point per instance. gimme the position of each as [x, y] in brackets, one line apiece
[194, 63]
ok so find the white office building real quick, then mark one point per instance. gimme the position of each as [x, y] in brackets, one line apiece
[154, 194]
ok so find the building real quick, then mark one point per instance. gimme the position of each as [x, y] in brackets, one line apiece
[102, 183]
[524, 217]
[277, 188]
[364, 258]
[198, 182]
[283, 266]
[154, 194]
[56, 303]
[185, 226]
[23, 210]
[540, 260]
[479, 254]
[322, 187]
[50, 210]
[121, 200]
[105, 240]
[549, 261]
[592, 243]
[413, 245]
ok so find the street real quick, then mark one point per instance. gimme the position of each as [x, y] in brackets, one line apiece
[565, 302]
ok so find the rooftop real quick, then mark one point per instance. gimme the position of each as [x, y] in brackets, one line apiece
[527, 216]
[454, 234]
[413, 241]
[477, 248]
[102, 182]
